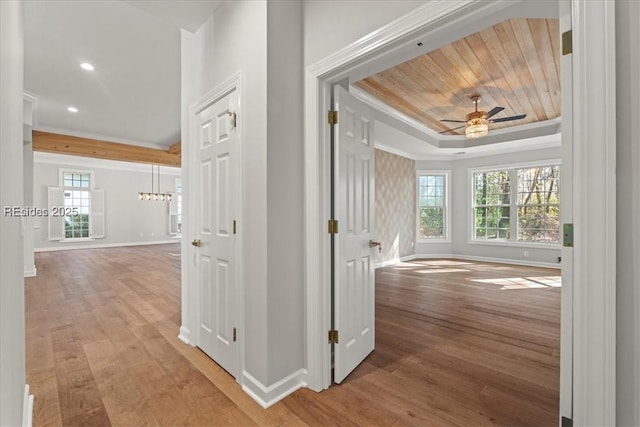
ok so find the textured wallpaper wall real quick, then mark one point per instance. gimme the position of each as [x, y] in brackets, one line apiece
[395, 206]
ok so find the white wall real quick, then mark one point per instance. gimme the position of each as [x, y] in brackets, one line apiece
[628, 214]
[462, 208]
[127, 219]
[12, 317]
[330, 25]
[268, 53]
[234, 40]
[285, 192]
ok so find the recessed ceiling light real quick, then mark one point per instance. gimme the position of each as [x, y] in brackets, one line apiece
[72, 109]
[87, 66]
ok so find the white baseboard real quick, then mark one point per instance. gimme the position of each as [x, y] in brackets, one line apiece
[103, 245]
[32, 272]
[267, 396]
[394, 261]
[185, 335]
[27, 408]
[488, 259]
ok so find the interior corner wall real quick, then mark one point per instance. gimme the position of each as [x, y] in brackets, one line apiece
[627, 214]
[285, 192]
[128, 220]
[461, 201]
[438, 248]
[234, 40]
[330, 25]
[395, 206]
[28, 242]
[12, 313]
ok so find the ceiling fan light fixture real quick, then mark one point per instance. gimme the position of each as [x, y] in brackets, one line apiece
[477, 129]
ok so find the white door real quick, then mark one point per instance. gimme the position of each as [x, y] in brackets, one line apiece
[354, 298]
[215, 238]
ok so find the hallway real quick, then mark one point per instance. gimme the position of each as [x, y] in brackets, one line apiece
[458, 343]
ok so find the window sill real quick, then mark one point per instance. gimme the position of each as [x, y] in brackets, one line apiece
[79, 239]
[509, 243]
[420, 241]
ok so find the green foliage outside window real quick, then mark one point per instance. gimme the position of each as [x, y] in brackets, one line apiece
[536, 209]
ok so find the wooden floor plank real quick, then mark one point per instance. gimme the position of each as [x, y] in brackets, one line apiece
[457, 343]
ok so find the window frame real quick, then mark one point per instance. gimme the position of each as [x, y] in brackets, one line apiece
[513, 206]
[90, 189]
[446, 207]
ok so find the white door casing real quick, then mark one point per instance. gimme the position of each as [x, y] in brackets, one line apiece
[216, 264]
[566, 216]
[354, 291]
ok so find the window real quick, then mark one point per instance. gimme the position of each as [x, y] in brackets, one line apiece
[77, 196]
[432, 206]
[492, 195]
[175, 210]
[517, 204]
[538, 204]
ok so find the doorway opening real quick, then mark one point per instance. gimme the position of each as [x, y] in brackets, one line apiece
[352, 69]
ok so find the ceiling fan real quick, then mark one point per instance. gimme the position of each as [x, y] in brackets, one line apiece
[477, 122]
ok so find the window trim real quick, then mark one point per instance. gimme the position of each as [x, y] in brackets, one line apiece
[447, 205]
[91, 187]
[513, 168]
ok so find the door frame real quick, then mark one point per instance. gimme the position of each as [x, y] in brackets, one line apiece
[190, 330]
[594, 254]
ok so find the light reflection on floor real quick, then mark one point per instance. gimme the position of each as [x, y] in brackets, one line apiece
[523, 282]
[455, 266]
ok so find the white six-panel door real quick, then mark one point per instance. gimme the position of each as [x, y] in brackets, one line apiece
[354, 297]
[215, 239]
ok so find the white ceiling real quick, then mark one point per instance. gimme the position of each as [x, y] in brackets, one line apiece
[133, 95]
[187, 14]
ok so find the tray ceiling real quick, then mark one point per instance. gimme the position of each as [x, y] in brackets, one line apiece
[514, 64]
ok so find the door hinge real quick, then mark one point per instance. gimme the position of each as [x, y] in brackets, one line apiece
[333, 226]
[234, 226]
[333, 117]
[567, 235]
[333, 337]
[567, 42]
[234, 118]
[235, 335]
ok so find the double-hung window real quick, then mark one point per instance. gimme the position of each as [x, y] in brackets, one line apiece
[175, 210]
[517, 204]
[492, 208]
[76, 208]
[77, 197]
[538, 204]
[433, 206]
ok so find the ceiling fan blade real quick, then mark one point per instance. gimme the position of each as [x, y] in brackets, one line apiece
[508, 119]
[453, 121]
[449, 130]
[494, 111]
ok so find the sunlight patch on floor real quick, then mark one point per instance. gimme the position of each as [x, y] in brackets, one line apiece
[508, 283]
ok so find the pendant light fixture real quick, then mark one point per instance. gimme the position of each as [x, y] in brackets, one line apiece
[163, 197]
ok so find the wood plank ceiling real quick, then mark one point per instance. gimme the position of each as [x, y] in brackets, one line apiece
[514, 64]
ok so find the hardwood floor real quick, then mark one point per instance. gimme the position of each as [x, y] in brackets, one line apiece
[457, 343]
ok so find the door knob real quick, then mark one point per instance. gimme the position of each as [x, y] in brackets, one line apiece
[196, 243]
[373, 244]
